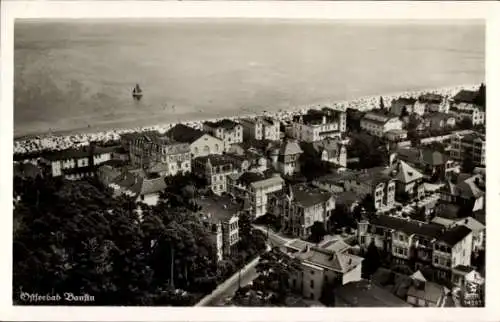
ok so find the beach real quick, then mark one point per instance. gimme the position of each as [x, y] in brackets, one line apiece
[75, 138]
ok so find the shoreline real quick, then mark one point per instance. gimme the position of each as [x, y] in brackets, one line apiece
[63, 139]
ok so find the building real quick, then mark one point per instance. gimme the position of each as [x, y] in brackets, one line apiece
[285, 157]
[74, 164]
[378, 123]
[261, 128]
[299, 207]
[136, 183]
[404, 106]
[155, 150]
[478, 229]
[439, 121]
[472, 146]
[230, 132]
[256, 187]
[419, 244]
[200, 143]
[332, 150]
[465, 192]
[464, 105]
[424, 293]
[396, 135]
[429, 161]
[223, 212]
[432, 103]
[376, 183]
[408, 179]
[317, 125]
[215, 169]
[328, 265]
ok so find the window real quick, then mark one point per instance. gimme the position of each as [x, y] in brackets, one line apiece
[436, 261]
[312, 272]
[312, 284]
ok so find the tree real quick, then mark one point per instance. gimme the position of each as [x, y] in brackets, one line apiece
[465, 123]
[481, 96]
[372, 261]
[381, 103]
[467, 165]
[76, 237]
[317, 232]
[404, 112]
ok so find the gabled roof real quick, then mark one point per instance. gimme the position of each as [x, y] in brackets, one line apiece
[216, 159]
[439, 116]
[431, 292]
[336, 261]
[150, 186]
[290, 147]
[184, 133]
[403, 172]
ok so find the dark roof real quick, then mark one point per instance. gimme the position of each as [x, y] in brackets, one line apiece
[404, 101]
[463, 268]
[184, 133]
[455, 234]
[220, 208]
[409, 227]
[465, 96]
[216, 159]
[431, 292]
[307, 197]
[316, 116]
[440, 116]
[249, 177]
[430, 98]
[366, 294]
[225, 123]
[149, 186]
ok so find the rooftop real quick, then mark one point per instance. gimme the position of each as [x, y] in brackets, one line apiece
[377, 116]
[430, 98]
[454, 235]
[466, 96]
[366, 294]
[404, 101]
[215, 159]
[290, 147]
[308, 196]
[329, 259]
[218, 208]
[409, 227]
[225, 124]
[184, 133]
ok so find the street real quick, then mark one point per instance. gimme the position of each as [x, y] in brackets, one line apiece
[227, 289]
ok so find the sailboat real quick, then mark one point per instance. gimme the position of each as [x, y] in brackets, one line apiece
[137, 92]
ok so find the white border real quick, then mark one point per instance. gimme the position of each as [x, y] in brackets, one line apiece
[216, 9]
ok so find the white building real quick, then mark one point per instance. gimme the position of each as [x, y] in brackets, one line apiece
[261, 128]
[317, 125]
[464, 106]
[327, 265]
[228, 131]
[379, 123]
[200, 143]
[471, 145]
[432, 103]
[285, 158]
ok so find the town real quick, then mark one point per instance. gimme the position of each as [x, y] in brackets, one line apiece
[336, 207]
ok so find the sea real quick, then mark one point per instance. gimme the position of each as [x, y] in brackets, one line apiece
[79, 75]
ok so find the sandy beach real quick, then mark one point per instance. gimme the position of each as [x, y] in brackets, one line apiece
[82, 137]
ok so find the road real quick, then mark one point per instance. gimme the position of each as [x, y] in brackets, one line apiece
[227, 289]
